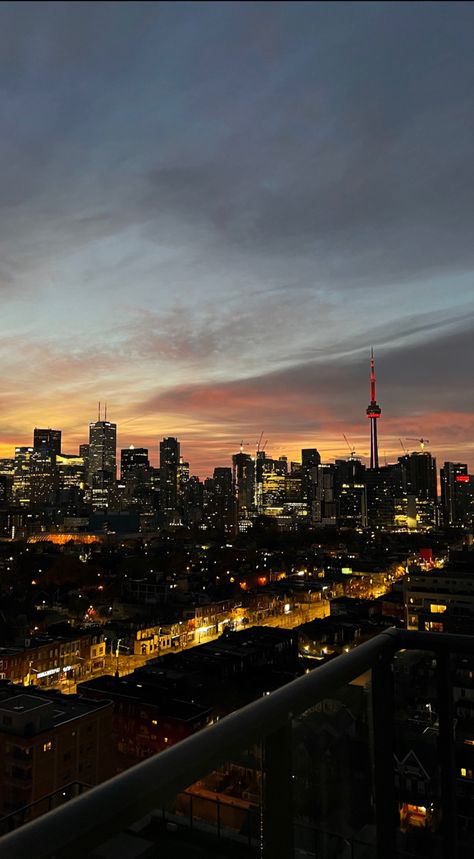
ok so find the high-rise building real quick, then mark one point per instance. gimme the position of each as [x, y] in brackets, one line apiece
[243, 473]
[169, 467]
[71, 476]
[310, 460]
[183, 480]
[351, 493]
[102, 452]
[457, 494]
[373, 412]
[324, 510]
[7, 471]
[419, 484]
[43, 478]
[384, 489]
[134, 463]
[22, 476]
[102, 462]
[221, 499]
[47, 439]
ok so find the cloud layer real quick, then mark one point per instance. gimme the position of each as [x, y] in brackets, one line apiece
[209, 213]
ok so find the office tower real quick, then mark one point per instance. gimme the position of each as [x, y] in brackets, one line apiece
[384, 492]
[351, 493]
[134, 463]
[7, 471]
[193, 500]
[419, 484]
[43, 478]
[84, 454]
[281, 465]
[169, 465]
[22, 476]
[324, 510]
[310, 460]
[274, 492]
[183, 480]
[373, 412]
[102, 452]
[102, 462]
[223, 497]
[457, 489]
[71, 477]
[243, 473]
[47, 439]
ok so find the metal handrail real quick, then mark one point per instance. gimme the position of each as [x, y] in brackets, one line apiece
[134, 793]
[130, 796]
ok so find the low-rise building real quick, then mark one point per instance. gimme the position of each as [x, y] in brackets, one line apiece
[50, 744]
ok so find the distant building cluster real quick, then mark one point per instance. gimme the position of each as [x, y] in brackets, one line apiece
[43, 488]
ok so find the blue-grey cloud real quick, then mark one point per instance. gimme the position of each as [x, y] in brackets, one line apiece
[221, 190]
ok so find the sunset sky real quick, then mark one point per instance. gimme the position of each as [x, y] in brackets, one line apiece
[209, 212]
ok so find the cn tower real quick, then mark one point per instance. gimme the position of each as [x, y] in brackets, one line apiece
[373, 413]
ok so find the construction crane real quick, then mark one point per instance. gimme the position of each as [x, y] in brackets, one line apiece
[350, 446]
[242, 443]
[352, 450]
[402, 446]
[421, 441]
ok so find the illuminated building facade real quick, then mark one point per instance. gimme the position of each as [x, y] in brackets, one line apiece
[419, 486]
[457, 494]
[243, 474]
[102, 462]
[22, 476]
[71, 479]
[384, 487]
[43, 478]
[169, 468]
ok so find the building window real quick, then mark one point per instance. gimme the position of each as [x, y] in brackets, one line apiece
[47, 746]
[437, 608]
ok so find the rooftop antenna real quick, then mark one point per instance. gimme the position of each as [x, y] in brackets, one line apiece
[98, 411]
[105, 412]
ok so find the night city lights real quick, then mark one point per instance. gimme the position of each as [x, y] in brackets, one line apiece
[236, 601]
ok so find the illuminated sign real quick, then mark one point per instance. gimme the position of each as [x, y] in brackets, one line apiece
[462, 478]
[48, 673]
[346, 570]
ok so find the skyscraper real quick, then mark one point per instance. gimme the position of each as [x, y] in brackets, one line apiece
[310, 460]
[134, 463]
[47, 439]
[373, 412]
[22, 476]
[456, 494]
[102, 461]
[169, 466]
[243, 473]
[419, 484]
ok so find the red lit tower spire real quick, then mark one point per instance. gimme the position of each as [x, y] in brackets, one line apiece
[373, 413]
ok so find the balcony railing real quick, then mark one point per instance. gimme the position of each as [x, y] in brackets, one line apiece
[78, 828]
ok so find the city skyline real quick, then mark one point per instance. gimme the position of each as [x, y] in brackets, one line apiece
[211, 212]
